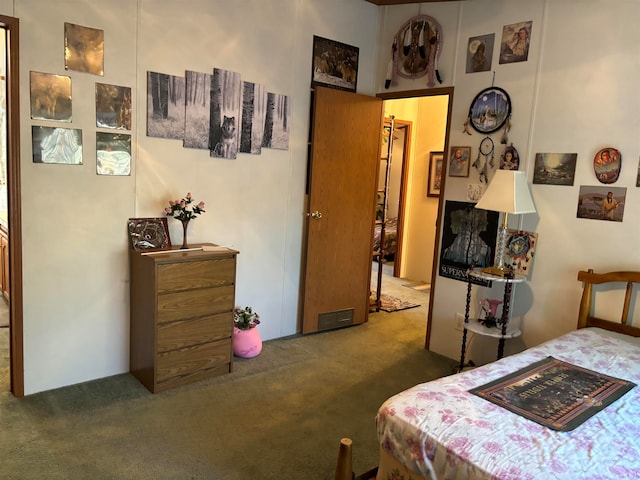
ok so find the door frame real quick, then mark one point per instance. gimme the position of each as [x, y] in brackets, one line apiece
[16, 332]
[436, 244]
[402, 201]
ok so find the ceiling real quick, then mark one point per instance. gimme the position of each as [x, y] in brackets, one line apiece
[399, 2]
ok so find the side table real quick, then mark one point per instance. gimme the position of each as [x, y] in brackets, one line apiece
[503, 330]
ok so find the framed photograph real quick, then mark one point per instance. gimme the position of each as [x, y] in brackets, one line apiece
[489, 110]
[514, 46]
[113, 106]
[83, 49]
[149, 233]
[479, 53]
[50, 96]
[335, 64]
[554, 168]
[113, 153]
[435, 174]
[459, 161]
[56, 145]
[601, 203]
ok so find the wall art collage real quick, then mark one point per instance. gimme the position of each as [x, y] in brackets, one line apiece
[51, 101]
[218, 112]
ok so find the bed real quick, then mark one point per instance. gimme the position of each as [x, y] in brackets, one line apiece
[390, 237]
[441, 430]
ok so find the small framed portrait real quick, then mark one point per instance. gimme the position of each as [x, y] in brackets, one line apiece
[436, 159]
[149, 233]
[607, 164]
[459, 161]
[514, 46]
[479, 53]
[335, 64]
[489, 110]
[510, 159]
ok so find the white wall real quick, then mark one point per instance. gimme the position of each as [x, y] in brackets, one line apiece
[576, 93]
[76, 319]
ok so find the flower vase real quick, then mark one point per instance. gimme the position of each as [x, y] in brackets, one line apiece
[246, 343]
[185, 224]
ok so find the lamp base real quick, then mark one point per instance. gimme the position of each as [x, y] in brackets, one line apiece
[499, 271]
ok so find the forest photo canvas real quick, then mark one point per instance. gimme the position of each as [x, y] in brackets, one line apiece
[225, 113]
[197, 110]
[165, 105]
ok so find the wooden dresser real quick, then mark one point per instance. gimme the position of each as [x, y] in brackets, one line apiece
[181, 305]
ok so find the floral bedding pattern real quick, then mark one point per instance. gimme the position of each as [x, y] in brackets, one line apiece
[463, 436]
[390, 236]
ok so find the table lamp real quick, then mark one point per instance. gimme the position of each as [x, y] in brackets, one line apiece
[508, 193]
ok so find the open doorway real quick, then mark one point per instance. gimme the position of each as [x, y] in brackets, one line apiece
[12, 253]
[426, 115]
[4, 222]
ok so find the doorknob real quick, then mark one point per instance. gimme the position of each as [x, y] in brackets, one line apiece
[316, 215]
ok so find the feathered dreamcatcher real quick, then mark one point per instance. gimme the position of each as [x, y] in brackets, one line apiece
[415, 51]
[490, 110]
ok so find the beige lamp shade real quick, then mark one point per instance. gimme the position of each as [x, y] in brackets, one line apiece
[508, 192]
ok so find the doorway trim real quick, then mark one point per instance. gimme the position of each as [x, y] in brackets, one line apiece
[434, 273]
[16, 332]
[402, 191]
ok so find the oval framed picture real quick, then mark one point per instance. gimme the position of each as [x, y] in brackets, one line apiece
[510, 159]
[489, 110]
[607, 164]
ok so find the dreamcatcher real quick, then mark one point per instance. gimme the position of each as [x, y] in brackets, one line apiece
[490, 110]
[485, 156]
[415, 51]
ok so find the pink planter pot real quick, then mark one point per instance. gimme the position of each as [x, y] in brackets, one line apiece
[246, 343]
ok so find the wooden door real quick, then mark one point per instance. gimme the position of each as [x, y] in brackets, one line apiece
[345, 151]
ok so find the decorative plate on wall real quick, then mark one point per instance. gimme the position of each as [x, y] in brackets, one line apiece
[489, 110]
[607, 164]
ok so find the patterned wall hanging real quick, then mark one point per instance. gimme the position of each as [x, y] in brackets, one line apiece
[489, 111]
[415, 51]
[607, 164]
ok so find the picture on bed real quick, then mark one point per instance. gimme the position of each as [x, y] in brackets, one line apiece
[468, 240]
[601, 203]
[554, 393]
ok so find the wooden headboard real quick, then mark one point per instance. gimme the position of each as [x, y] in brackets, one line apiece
[586, 319]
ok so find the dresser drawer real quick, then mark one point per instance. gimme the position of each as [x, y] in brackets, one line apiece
[180, 364]
[195, 303]
[184, 333]
[196, 274]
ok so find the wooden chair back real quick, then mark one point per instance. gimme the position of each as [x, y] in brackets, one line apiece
[585, 316]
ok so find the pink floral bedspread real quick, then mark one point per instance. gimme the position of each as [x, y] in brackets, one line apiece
[466, 437]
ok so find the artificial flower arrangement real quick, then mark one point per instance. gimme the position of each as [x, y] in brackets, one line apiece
[245, 318]
[183, 210]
